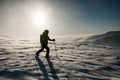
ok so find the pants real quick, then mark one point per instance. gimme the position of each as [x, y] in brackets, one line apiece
[47, 48]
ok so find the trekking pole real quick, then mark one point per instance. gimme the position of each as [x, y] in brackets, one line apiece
[55, 48]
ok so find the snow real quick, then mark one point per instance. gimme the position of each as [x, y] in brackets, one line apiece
[111, 38]
[70, 61]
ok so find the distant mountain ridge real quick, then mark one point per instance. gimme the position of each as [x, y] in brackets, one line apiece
[111, 38]
[3, 37]
[110, 33]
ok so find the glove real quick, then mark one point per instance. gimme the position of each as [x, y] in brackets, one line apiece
[53, 39]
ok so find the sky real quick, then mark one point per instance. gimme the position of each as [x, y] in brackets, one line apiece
[29, 18]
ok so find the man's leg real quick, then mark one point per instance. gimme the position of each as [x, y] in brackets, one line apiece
[39, 51]
[48, 50]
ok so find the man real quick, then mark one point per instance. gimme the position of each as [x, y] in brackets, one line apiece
[44, 43]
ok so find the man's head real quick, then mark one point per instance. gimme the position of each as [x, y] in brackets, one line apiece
[46, 31]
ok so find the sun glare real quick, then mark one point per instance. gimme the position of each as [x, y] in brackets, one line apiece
[39, 19]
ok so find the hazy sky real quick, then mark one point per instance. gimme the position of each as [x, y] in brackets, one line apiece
[21, 18]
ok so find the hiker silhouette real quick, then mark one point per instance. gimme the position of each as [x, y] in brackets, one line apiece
[44, 43]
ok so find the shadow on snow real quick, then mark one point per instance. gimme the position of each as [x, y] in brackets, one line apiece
[43, 69]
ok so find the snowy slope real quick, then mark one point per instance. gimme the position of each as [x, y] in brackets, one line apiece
[69, 62]
[111, 38]
[3, 37]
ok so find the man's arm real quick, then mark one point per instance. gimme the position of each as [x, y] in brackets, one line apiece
[51, 39]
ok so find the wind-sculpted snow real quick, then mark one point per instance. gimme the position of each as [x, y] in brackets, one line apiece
[69, 61]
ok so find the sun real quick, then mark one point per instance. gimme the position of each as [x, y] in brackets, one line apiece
[39, 18]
